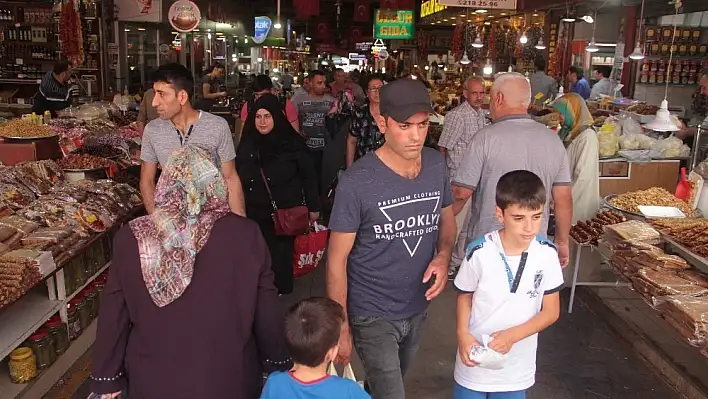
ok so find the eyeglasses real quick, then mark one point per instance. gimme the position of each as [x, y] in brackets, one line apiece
[375, 89]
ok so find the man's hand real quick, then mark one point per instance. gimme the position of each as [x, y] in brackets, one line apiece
[345, 346]
[465, 342]
[563, 253]
[437, 268]
[503, 341]
[314, 216]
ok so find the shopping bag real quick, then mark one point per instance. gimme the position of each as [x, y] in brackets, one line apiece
[308, 250]
[348, 373]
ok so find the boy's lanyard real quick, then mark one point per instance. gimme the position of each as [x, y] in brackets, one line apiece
[514, 280]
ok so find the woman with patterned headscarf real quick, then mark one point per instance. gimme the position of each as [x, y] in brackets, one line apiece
[189, 305]
[581, 143]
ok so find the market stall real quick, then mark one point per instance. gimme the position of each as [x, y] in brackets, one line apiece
[58, 214]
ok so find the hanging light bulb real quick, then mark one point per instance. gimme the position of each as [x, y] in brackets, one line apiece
[477, 43]
[487, 70]
[662, 122]
[465, 59]
[592, 47]
[523, 39]
[540, 44]
[637, 54]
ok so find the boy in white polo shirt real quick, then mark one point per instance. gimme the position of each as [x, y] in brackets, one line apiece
[508, 287]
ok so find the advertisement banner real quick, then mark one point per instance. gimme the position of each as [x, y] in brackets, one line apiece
[391, 24]
[487, 4]
[184, 16]
[260, 33]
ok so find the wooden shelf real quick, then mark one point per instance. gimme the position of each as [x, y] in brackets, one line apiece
[23, 317]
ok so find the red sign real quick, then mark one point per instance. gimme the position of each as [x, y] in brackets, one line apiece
[184, 16]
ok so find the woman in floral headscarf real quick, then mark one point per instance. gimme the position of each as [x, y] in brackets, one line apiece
[581, 143]
[191, 314]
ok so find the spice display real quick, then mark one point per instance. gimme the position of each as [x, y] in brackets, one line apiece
[59, 334]
[43, 349]
[22, 128]
[83, 162]
[588, 232]
[692, 233]
[22, 365]
[655, 196]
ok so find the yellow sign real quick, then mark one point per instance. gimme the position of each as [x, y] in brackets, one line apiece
[430, 7]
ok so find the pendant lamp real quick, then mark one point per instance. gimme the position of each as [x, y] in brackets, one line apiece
[540, 45]
[465, 60]
[487, 70]
[638, 53]
[477, 43]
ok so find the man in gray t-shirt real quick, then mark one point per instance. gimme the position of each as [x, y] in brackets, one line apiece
[180, 124]
[513, 142]
[392, 234]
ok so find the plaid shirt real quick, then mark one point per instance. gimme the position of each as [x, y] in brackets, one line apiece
[459, 127]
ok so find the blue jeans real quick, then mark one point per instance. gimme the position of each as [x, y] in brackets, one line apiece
[386, 349]
[464, 393]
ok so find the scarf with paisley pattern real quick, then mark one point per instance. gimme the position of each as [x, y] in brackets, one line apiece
[190, 197]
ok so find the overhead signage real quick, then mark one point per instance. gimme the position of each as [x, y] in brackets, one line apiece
[357, 57]
[363, 46]
[184, 16]
[262, 29]
[392, 24]
[431, 7]
[486, 4]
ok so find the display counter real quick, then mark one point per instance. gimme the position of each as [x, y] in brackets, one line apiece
[619, 175]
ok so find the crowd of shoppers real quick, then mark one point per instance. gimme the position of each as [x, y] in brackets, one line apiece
[404, 217]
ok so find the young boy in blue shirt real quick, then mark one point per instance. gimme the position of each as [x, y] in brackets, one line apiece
[508, 287]
[312, 329]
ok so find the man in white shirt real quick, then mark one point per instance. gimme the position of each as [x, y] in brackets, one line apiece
[604, 85]
[459, 127]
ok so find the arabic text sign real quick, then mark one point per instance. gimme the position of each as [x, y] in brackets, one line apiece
[503, 4]
[391, 24]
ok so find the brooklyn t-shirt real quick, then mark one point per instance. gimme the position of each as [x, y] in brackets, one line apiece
[396, 222]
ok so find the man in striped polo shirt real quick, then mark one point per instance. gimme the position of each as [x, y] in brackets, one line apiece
[54, 90]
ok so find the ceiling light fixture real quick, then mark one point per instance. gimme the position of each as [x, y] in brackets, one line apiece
[478, 42]
[592, 47]
[487, 70]
[487, 23]
[588, 18]
[277, 24]
[465, 59]
[524, 39]
[638, 53]
[540, 45]
[481, 11]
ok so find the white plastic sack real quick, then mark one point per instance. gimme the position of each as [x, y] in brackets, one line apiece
[348, 373]
[485, 357]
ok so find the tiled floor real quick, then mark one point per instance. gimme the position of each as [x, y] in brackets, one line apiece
[579, 357]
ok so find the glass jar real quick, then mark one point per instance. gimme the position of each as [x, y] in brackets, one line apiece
[74, 324]
[59, 333]
[79, 271]
[98, 286]
[43, 349]
[91, 301]
[82, 308]
[69, 277]
[22, 365]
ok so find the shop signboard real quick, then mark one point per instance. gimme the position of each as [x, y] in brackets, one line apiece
[430, 7]
[139, 10]
[263, 25]
[486, 4]
[392, 24]
[184, 16]
[363, 46]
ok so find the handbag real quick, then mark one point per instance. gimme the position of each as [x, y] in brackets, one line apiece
[291, 221]
[347, 373]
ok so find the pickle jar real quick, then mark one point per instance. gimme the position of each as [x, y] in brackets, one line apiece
[43, 349]
[59, 333]
[69, 283]
[98, 286]
[82, 308]
[22, 365]
[74, 324]
[91, 301]
[79, 271]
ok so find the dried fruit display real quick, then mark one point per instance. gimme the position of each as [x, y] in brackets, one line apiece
[83, 162]
[20, 128]
[655, 196]
[588, 232]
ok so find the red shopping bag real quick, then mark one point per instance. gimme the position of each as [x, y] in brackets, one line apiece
[308, 251]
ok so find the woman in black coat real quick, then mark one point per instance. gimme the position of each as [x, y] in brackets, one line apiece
[269, 142]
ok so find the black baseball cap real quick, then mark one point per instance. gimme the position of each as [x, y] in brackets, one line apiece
[404, 98]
